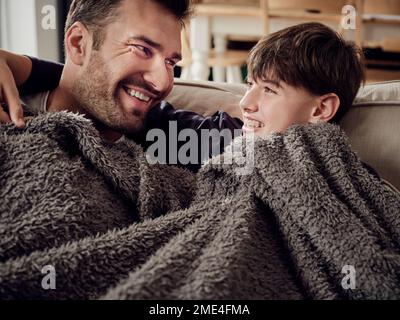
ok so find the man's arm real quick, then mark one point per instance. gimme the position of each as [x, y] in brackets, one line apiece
[44, 76]
[31, 75]
[14, 69]
[21, 66]
[163, 114]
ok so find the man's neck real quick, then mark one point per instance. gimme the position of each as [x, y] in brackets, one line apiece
[60, 99]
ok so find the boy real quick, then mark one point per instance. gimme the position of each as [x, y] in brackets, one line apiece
[303, 74]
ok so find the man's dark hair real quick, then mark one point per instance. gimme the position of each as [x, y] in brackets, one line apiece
[314, 57]
[97, 14]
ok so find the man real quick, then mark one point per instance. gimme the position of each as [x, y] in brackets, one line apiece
[119, 61]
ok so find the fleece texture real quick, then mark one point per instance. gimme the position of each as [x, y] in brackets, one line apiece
[114, 227]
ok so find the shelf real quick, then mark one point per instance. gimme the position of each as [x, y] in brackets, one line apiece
[255, 11]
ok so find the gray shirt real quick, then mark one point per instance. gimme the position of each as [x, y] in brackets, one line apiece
[35, 104]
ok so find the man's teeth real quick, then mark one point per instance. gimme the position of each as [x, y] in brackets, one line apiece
[254, 124]
[138, 95]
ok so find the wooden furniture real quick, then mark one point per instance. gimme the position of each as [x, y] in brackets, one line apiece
[388, 7]
[226, 65]
[253, 19]
[380, 75]
[384, 12]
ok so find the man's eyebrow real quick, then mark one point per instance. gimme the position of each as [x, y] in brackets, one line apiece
[148, 41]
[155, 45]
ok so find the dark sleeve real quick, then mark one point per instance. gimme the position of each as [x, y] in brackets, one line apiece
[45, 76]
[164, 113]
[161, 115]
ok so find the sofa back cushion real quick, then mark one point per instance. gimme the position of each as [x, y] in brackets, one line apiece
[373, 124]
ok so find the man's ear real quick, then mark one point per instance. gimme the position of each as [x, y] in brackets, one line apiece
[326, 109]
[77, 43]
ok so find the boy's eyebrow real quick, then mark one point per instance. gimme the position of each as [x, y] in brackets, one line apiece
[274, 82]
[155, 45]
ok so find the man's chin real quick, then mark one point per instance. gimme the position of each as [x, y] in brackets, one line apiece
[133, 105]
[131, 120]
[134, 127]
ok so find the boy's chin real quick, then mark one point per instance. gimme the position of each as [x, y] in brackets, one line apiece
[255, 132]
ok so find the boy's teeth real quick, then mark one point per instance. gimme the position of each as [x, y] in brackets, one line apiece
[254, 124]
[138, 95]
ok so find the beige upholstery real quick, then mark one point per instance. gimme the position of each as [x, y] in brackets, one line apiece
[373, 124]
[207, 97]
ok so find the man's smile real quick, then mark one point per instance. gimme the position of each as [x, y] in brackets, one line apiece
[136, 100]
[137, 94]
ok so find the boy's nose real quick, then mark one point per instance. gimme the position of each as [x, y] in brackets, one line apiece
[249, 103]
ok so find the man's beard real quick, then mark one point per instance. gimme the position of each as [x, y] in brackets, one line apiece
[94, 95]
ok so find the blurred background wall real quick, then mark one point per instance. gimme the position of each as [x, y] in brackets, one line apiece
[33, 27]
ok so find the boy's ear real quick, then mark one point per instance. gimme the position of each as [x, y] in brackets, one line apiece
[77, 42]
[326, 109]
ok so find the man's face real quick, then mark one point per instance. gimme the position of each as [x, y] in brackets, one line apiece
[133, 69]
[272, 107]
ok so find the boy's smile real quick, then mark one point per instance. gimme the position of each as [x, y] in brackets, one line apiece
[251, 124]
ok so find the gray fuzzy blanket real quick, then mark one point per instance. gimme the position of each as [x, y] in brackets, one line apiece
[114, 227]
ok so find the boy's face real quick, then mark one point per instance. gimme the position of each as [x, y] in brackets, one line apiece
[272, 107]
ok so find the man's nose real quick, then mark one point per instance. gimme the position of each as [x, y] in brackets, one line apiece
[158, 75]
[250, 102]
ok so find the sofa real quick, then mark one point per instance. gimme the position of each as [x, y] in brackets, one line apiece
[373, 124]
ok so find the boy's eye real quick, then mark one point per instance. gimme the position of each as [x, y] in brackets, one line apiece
[269, 90]
[249, 84]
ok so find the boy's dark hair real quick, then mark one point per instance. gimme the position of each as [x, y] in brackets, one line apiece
[97, 14]
[314, 57]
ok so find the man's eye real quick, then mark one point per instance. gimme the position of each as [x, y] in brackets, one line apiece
[249, 84]
[171, 62]
[142, 50]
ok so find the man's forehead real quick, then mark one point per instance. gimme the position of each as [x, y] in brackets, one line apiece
[146, 9]
[151, 21]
